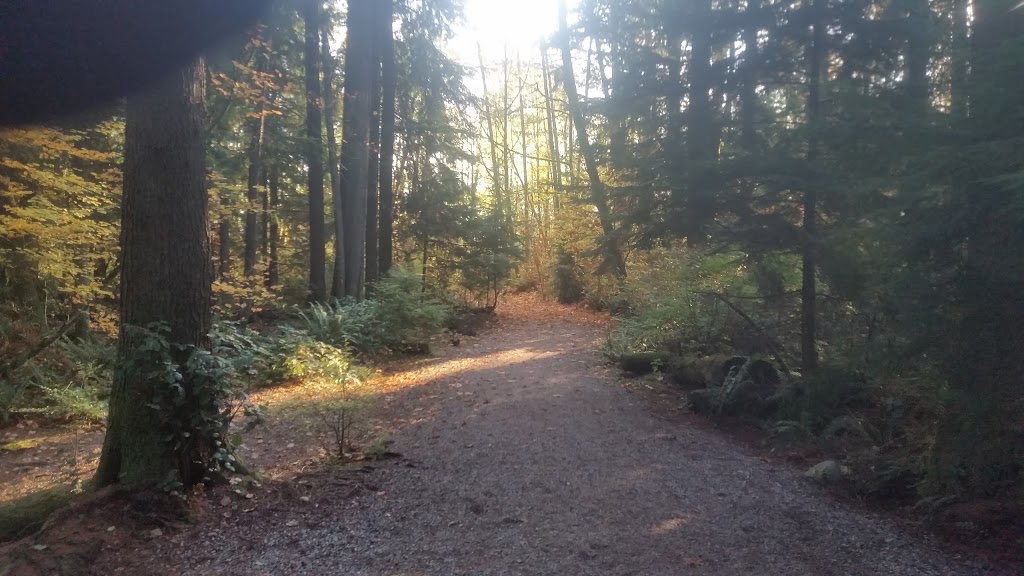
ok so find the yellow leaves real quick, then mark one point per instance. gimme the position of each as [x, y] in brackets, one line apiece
[61, 199]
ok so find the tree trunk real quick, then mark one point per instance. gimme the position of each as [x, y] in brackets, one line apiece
[373, 170]
[166, 272]
[613, 257]
[330, 113]
[552, 126]
[355, 142]
[808, 289]
[264, 216]
[224, 239]
[257, 127]
[496, 181]
[700, 125]
[274, 190]
[506, 150]
[314, 153]
[389, 82]
[527, 216]
[748, 71]
[918, 55]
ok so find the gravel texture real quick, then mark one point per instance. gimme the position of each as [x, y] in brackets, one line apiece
[523, 455]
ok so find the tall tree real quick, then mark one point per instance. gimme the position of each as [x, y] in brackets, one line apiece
[496, 181]
[598, 193]
[166, 273]
[311, 10]
[330, 113]
[808, 289]
[355, 151]
[257, 125]
[389, 81]
[373, 171]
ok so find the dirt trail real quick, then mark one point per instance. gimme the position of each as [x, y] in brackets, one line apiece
[522, 455]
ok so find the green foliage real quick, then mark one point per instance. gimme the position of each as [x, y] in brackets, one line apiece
[333, 417]
[196, 396]
[567, 284]
[409, 316]
[69, 381]
[345, 323]
[401, 316]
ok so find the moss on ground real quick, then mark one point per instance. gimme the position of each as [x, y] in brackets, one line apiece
[23, 516]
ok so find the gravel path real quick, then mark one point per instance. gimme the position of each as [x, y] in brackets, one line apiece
[523, 456]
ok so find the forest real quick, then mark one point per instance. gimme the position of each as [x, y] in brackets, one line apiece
[805, 219]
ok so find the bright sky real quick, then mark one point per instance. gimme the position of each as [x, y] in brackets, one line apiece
[494, 23]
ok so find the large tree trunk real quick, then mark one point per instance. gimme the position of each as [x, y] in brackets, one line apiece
[373, 171]
[314, 153]
[355, 142]
[702, 148]
[612, 254]
[808, 288]
[165, 267]
[389, 82]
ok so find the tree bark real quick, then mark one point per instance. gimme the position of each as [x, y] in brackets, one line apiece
[808, 289]
[355, 143]
[166, 272]
[330, 114]
[373, 171]
[389, 81]
[702, 150]
[388, 88]
[314, 153]
[613, 256]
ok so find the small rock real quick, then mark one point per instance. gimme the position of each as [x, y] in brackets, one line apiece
[291, 523]
[156, 533]
[827, 471]
[225, 501]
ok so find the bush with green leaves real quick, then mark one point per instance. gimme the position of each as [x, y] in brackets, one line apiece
[69, 381]
[409, 316]
[334, 417]
[197, 395]
[566, 278]
[402, 316]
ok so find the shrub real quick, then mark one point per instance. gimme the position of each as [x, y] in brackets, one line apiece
[566, 276]
[70, 380]
[333, 418]
[197, 395]
[408, 315]
[345, 323]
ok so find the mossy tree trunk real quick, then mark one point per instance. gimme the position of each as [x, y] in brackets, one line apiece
[166, 269]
